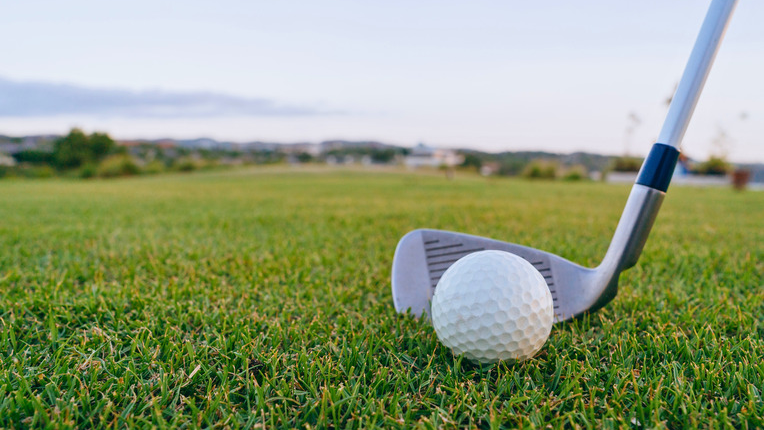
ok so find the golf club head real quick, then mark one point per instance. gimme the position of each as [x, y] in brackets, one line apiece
[422, 256]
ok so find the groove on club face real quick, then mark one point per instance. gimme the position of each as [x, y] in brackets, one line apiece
[441, 253]
[423, 255]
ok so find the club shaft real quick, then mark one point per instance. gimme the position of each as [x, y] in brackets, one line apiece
[657, 170]
[695, 72]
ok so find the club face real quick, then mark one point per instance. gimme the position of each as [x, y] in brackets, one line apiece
[422, 256]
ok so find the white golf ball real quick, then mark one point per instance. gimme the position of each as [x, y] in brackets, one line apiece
[492, 306]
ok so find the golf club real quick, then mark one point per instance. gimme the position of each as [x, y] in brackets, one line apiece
[422, 256]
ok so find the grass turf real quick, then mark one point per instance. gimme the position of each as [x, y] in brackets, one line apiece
[262, 299]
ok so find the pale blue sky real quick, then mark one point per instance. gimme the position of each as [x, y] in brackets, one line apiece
[495, 75]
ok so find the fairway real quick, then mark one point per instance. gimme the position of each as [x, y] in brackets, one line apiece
[260, 298]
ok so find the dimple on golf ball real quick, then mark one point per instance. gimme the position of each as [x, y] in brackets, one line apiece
[492, 306]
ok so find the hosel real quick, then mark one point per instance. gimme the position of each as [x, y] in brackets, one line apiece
[633, 228]
[640, 212]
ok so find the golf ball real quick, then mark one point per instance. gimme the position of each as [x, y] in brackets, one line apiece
[492, 306]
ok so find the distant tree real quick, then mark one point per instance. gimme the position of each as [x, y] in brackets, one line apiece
[88, 170]
[382, 155]
[627, 164]
[72, 150]
[267, 157]
[511, 167]
[539, 169]
[154, 167]
[304, 157]
[76, 149]
[33, 156]
[117, 165]
[101, 145]
[714, 166]
[185, 164]
[472, 161]
[575, 173]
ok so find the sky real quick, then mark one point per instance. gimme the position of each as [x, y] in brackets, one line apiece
[554, 75]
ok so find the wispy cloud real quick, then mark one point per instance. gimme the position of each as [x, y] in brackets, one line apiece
[40, 99]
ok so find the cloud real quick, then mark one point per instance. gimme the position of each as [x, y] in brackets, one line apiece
[40, 99]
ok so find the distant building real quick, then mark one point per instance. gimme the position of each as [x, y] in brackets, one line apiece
[166, 144]
[129, 143]
[491, 168]
[6, 160]
[313, 149]
[426, 156]
[11, 146]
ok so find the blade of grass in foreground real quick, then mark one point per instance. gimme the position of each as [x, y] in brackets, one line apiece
[247, 299]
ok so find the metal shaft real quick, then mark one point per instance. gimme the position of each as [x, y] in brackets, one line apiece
[647, 194]
[695, 72]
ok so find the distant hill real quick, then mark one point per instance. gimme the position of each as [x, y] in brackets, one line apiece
[509, 162]
[513, 162]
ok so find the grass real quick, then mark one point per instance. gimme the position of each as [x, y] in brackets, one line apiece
[261, 299]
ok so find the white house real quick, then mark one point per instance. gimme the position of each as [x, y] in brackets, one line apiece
[426, 156]
[6, 160]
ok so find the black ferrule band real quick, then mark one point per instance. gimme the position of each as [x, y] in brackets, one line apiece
[658, 167]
